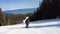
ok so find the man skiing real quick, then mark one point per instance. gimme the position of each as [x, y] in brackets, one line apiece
[26, 21]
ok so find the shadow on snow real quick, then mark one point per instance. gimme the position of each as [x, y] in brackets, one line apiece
[56, 25]
[44, 21]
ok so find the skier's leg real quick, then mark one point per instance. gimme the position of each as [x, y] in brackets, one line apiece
[27, 25]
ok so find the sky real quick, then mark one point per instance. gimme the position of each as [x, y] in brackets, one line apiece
[18, 4]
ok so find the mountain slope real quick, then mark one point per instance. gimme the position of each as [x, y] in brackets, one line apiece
[20, 11]
[37, 27]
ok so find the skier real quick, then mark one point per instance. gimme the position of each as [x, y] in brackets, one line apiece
[26, 21]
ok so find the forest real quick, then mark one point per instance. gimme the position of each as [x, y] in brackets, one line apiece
[10, 19]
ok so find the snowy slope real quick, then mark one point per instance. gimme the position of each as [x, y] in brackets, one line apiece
[51, 26]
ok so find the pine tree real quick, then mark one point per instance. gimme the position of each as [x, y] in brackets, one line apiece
[49, 9]
[1, 18]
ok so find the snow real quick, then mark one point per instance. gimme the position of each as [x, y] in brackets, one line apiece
[51, 26]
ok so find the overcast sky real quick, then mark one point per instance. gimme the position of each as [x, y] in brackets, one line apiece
[18, 4]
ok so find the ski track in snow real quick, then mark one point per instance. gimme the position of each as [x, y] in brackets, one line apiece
[37, 27]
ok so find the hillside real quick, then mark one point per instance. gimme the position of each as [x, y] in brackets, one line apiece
[37, 27]
[20, 11]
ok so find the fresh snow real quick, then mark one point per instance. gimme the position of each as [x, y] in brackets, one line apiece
[51, 26]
